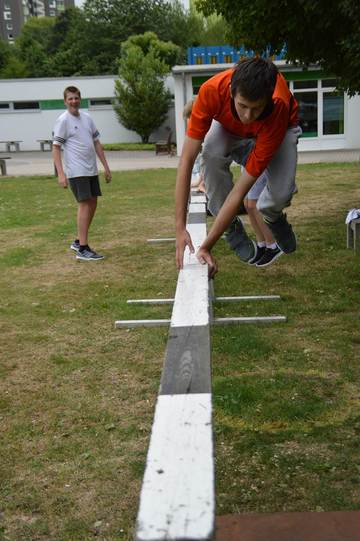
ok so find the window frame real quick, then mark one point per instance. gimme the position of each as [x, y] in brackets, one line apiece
[321, 90]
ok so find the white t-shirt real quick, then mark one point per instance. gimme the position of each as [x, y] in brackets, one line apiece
[77, 135]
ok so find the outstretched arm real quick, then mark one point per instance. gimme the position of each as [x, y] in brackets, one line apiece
[101, 155]
[226, 215]
[190, 150]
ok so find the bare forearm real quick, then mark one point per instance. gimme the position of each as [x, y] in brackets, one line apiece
[182, 193]
[101, 155]
[56, 153]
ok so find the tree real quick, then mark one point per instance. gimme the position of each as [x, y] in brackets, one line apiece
[71, 46]
[326, 32]
[32, 45]
[113, 22]
[142, 99]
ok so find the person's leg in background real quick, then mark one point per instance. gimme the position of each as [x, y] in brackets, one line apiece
[85, 215]
[267, 249]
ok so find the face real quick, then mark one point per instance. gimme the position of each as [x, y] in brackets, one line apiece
[72, 102]
[248, 111]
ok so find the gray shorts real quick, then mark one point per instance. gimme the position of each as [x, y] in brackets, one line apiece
[85, 187]
[257, 188]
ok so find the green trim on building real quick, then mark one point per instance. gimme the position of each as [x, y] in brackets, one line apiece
[304, 75]
[48, 105]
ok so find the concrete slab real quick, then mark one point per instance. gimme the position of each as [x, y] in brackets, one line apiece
[326, 526]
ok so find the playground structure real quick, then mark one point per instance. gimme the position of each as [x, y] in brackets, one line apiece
[177, 499]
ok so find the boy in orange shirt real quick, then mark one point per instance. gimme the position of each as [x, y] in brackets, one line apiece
[246, 114]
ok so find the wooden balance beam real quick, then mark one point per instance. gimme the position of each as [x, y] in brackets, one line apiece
[177, 498]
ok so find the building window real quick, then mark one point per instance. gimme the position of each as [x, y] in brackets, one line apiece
[7, 16]
[305, 84]
[228, 58]
[26, 105]
[198, 60]
[4, 106]
[308, 113]
[333, 113]
[213, 59]
[9, 26]
[321, 107]
[100, 103]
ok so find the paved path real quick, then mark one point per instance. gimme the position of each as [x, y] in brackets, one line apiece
[40, 163]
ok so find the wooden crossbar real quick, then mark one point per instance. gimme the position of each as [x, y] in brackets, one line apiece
[177, 499]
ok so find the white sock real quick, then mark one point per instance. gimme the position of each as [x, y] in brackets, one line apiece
[271, 246]
[261, 244]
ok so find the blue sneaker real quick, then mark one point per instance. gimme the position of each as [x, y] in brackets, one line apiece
[75, 245]
[260, 251]
[243, 246]
[283, 233]
[270, 255]
[88, 255]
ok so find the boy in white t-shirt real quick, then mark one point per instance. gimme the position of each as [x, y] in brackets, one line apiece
[76, 132]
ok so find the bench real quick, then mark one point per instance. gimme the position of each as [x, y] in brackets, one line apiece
[165, 147]
[45, 142]
[3, 164]
[9, 144]
[353, 233]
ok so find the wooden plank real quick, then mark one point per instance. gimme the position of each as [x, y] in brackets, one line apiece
[191, 297]
[177, 499]
[187, 361]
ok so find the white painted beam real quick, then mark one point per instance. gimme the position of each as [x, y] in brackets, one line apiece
[177, 499]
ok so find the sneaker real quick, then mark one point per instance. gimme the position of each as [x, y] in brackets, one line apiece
[259, 253]
[75, 245]
[269, 256]
[283, 233]
[243, 246]
[89, 255]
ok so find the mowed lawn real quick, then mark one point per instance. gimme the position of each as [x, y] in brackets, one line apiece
[77, 396]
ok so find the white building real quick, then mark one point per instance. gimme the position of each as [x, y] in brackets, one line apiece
[330, 120]
[29, 108]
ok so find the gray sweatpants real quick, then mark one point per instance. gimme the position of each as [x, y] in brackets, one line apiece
[221, 148]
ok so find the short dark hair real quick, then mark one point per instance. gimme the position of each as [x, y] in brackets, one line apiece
[254, 78]
[72, 90]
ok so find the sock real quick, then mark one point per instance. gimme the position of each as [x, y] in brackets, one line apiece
[83, 247]
[261, 244]
[272, 246]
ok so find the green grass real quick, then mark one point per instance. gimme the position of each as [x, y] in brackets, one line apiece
[77, 397]
[129, 146]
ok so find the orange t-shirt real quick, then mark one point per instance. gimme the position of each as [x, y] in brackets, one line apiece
[214, 102]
